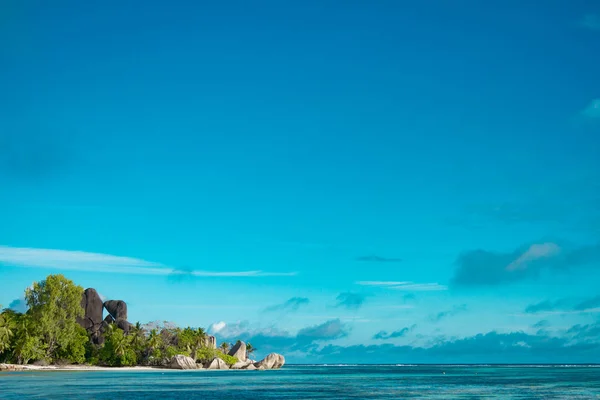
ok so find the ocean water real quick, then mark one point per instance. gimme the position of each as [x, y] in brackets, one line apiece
[313, 382]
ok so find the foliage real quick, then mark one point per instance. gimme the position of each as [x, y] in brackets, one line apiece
[224, 347]
[171, 351]
[49, 331]
[8, 328]
[191, 340]
[154, 341]
[229, 360]
[54, 304]
[28, 347]
[206, 354]
[249, 348]
[117, 350]
[138, 341]
[18, 341]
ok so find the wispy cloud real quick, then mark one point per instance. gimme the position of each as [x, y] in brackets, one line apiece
[375, 258]
[384, 335]
[588, 304]
[591, 21]
[292, 304]
[351, 301]
[405, 285]
[541, 324]
[533, 253]
[565, 306]
[106, 263]
[592, 110]
[421, 287]
[382, 283]
[448, 313]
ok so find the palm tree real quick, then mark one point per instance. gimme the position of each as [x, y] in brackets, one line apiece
[249, 349]
[201, 333]
[120, 344]
[137, 336]
[224, 347]
[8, 326]
[198, 341]
[28, 347]
[154, 340]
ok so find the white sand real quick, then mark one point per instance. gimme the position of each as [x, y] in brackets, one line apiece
[15, 367]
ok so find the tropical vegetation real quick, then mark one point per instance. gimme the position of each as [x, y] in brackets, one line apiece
[48, 332]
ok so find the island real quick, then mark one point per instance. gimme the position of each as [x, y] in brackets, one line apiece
[64, 328]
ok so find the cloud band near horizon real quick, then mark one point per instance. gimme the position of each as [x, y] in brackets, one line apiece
[69, 260]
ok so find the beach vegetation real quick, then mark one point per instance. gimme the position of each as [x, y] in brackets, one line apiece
[54, 305]
[49, 332]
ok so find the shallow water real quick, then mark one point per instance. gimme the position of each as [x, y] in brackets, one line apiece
[313, 382]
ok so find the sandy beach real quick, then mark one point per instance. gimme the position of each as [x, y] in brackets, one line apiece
[16, 367]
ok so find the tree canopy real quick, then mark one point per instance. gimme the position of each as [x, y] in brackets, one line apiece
[54, 305]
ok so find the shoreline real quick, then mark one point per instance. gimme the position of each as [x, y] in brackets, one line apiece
[19, 368]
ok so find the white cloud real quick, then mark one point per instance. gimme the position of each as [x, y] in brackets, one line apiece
[217, 327]
[534, 252]
[405, 285]
[421, 287]
[243, 329]
[97, 262]
[382, 283]
[592, 110]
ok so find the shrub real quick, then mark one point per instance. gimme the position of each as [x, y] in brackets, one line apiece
[206, 354]
[229, 360]
[171, 351]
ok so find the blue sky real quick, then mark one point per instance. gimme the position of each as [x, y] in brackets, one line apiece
[336, 181]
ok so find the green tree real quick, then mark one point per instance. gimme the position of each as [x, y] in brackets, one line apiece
[138, 340]
[117, 350]
[28, 346]
[224, 347]
[191, 340]
[54, 304]
[249, 349]
[154, 341]
[8, 328]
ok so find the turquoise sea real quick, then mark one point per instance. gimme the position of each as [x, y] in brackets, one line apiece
[314, 382]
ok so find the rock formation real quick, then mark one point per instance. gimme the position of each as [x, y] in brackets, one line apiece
[272, 361]
[239, 351]
[248, 364]
[182, 362]
[210, 342]
[238, 365]
[107, 321]
[93, 310]
[116, 308]
[126, 326]
[216, 363]
[92, 318]
[92, 306]
[117, 314]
